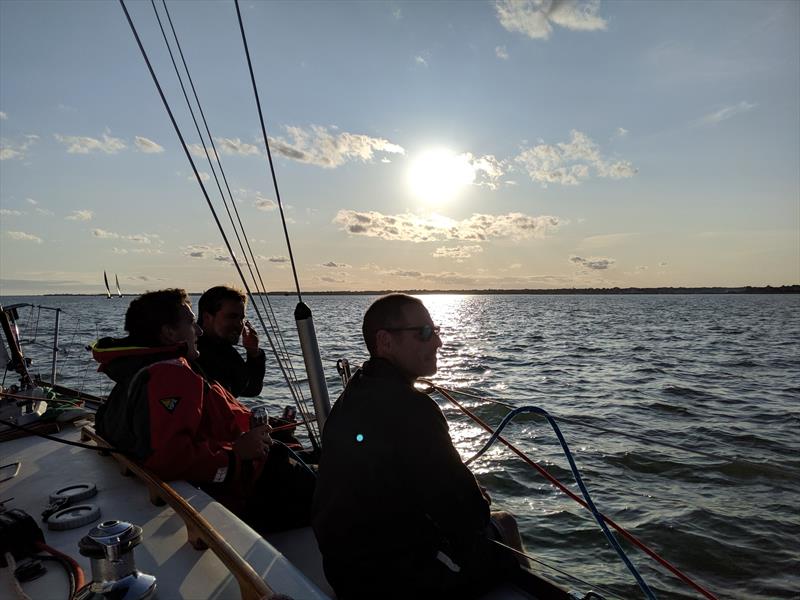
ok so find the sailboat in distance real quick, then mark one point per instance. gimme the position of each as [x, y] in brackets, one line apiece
[116, 279]
[108, 290]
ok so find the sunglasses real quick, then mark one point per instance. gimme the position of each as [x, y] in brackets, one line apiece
[425, 332]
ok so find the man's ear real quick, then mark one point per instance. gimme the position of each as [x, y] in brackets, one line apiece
[383, 343]
[167, 335]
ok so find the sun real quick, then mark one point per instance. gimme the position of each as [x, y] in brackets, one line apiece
[437, 176]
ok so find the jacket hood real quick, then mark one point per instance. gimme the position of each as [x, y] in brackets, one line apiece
[120, 358]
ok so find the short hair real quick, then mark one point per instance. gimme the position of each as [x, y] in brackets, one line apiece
[148, 313]
[386, 311]
[212, 299]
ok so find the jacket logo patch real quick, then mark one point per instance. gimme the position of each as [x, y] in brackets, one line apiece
[170, 403]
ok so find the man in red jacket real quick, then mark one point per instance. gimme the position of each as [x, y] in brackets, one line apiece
[183, 427]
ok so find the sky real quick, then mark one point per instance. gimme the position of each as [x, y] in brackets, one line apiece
[418, 145]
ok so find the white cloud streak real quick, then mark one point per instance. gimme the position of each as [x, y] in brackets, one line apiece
[319, 146]
[10, 212]
[3, 116]
[24, 237]
[536, 18]
[501, 52]
[10, 149]
[568, 163]
[147, 146]
[139, 238]
[726, 113]
[80, 215]
[77, 144]
[414, 228]
[459, 253]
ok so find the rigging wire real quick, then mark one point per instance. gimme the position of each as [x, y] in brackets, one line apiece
[261, 292]
[624, 532]
[269, 153]
[547, 565]
[225, 239]
[578, 479]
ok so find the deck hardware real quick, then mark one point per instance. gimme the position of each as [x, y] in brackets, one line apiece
[114, 574]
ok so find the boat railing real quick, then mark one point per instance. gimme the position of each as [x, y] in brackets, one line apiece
[201, 534]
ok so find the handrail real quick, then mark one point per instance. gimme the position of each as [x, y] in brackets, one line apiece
[201, 534]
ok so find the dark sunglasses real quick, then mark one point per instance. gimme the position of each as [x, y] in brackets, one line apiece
[425, 332]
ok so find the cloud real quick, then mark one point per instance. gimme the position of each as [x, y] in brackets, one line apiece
[265, 204]
[594, 263]
[726, 113]
[197, 151]
[570, 162]
[31, 201]
[318, 146]
[203, 176]
[16, 149]
[147, 146]
[328, 279]
[535, 18]
[609, 239]
[335, 265]
[116, 250]
[80, 215]
[45, 212]
[24, 237]
[3, 116]
[414, 228]
[488, 170]
[206, 251]
[459, 253]
[278, 259]
[420, 61]
[237, 146]
[139, 238]
[501, 52]
[400, 273]
[662, 264]
[10, 212]
[84, 145]
[621, 132]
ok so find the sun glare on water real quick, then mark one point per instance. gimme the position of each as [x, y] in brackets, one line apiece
[437, 176]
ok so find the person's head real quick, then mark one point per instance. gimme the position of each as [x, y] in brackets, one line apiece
[163, 318]
[221, 312]
[399, 329]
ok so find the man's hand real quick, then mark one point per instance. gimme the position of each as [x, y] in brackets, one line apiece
[254, 444]
[250, 339]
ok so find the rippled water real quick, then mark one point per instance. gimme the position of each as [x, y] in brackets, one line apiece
[720, 374]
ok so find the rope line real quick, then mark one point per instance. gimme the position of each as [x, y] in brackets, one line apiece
[578, 479]
[624, 532]
[248, 263]
[566, 574]
[269, 153]
[210, 205]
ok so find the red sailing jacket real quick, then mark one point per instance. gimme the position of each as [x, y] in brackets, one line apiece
[177, 423]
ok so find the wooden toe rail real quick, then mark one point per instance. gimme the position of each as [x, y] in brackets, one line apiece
[200, 532]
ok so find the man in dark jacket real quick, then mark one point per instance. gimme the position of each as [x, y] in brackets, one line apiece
[222, 318]
[396, 512]
[182, 426]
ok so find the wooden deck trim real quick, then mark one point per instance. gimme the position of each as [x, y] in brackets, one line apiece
[201, 533]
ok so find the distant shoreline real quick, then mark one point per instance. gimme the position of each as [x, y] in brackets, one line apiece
[616, 291]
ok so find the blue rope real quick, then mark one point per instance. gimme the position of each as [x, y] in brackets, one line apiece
[595, 513]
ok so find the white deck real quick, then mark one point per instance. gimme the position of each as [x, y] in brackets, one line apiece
[182, 571]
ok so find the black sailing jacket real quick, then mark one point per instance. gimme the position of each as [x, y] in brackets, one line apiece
[392, 492]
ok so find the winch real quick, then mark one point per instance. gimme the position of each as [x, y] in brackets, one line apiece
[114, 575]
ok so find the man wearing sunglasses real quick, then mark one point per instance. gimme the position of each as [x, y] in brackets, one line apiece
[396, 512]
